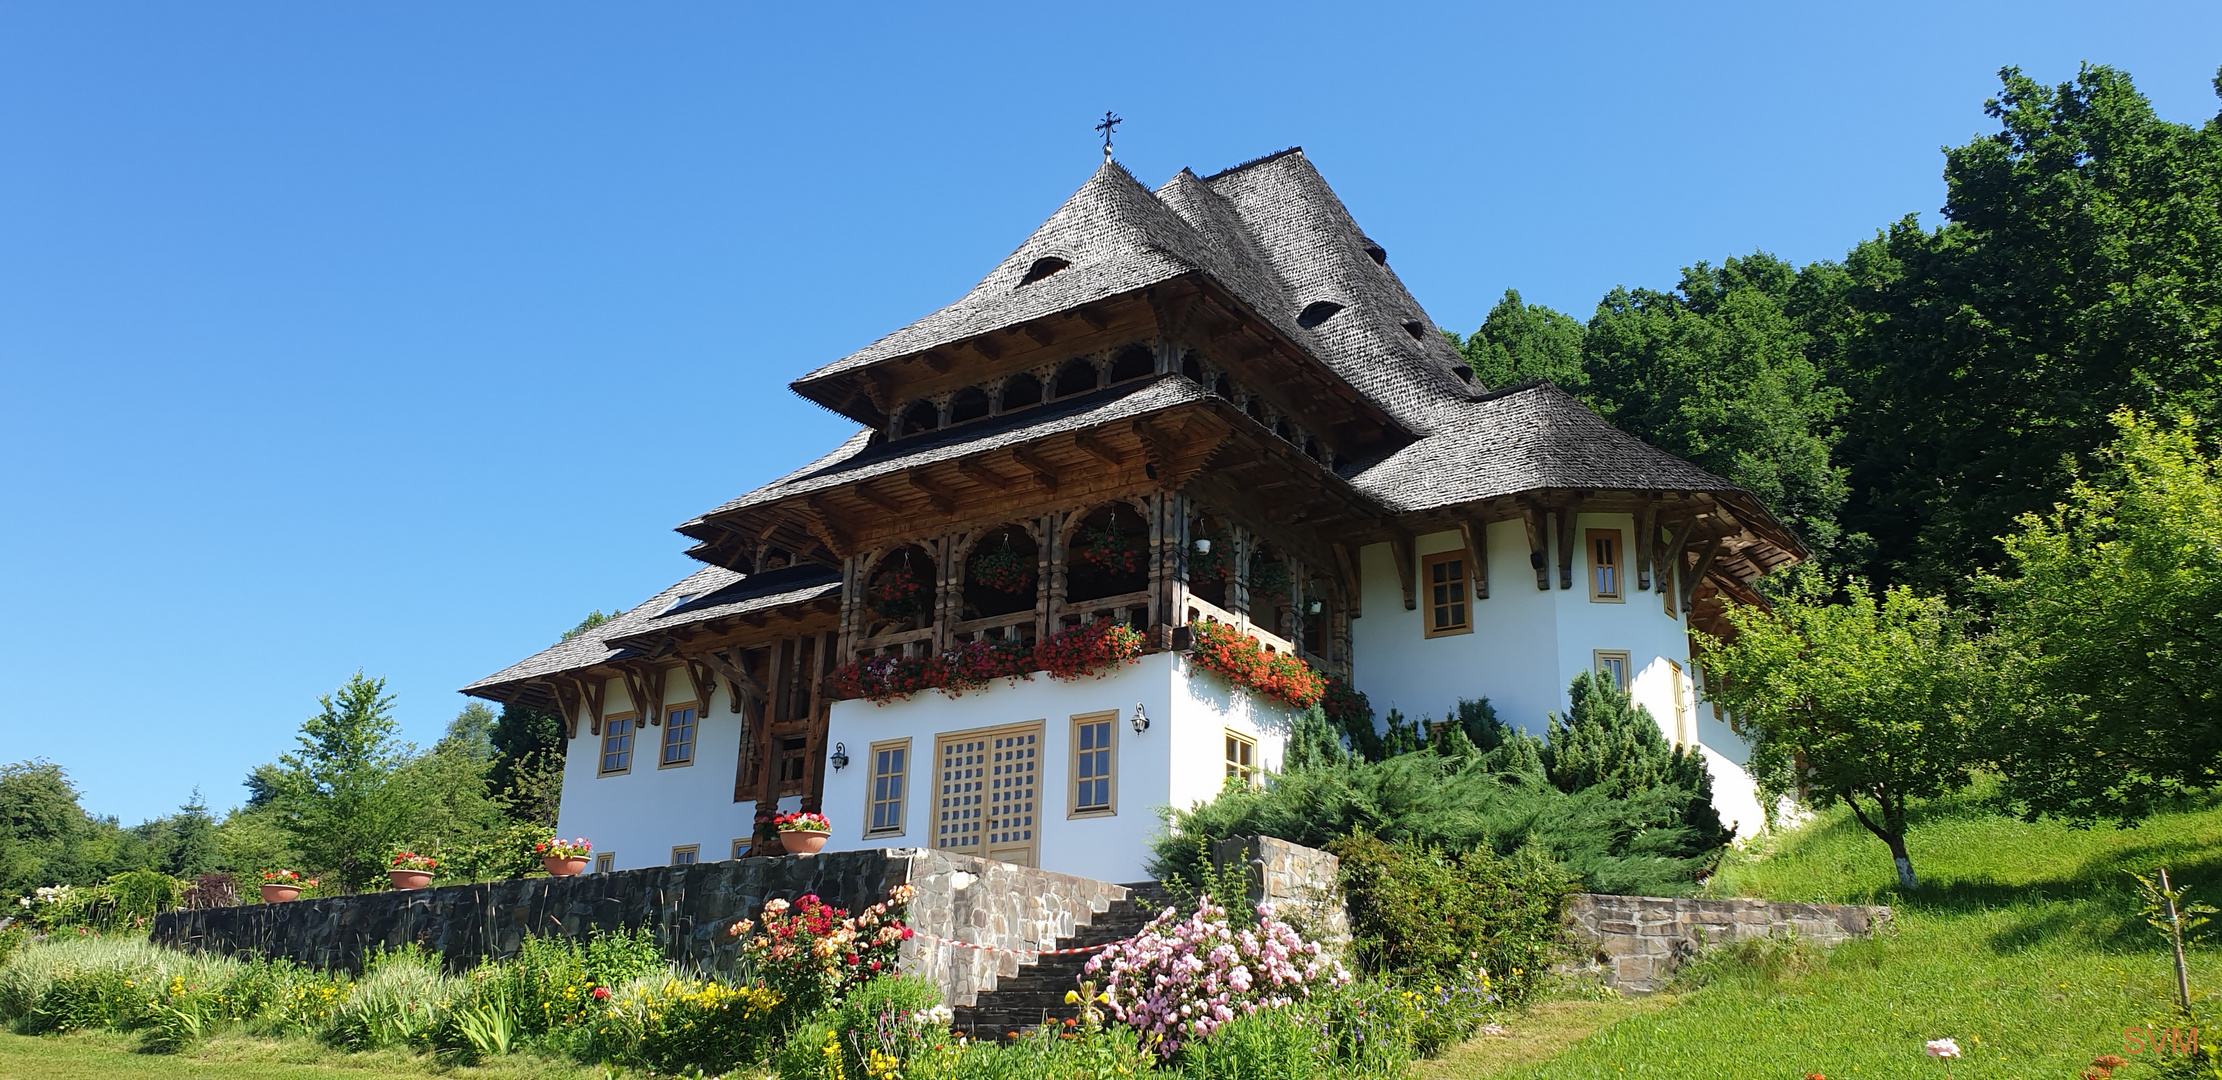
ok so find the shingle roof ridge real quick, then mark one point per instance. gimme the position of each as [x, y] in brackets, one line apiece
[754, 592]
[1111, 230]
[1314, 245]
[588, 647]
[850, 447]
[1253, 162]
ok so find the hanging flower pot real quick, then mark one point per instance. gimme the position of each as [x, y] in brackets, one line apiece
[1268, 578]
[1208, 562]
[1110, 551]
[1004, 569]
[897, 591]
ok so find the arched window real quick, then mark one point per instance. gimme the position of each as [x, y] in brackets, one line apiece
[1282, 429]
[1001, 573]
[1133, 362]
[970, 403]
[1022, 390]
[1076, 377]
[1255, 407]
[1223, 386]
[1192, 367]
[920, 417]
[1110, 554]
[1316, 312]
[899, 594]
[1210, 559]
[1043, 267]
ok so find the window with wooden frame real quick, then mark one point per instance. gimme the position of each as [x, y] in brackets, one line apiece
[617, 745]
[890, 788]
[1604, 567]
[1242, 757]
[679, 726]
[1613, 665]
[794, 763]
[1447, 607]
[605, 862]
[686, 855]
[741, 846]
[1095, 763]
[1683, 736]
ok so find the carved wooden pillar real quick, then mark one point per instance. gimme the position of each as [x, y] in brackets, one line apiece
[1238, 577]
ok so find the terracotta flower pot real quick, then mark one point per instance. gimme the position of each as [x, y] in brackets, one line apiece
[564, 867]
[277, 894]
[798, 842]
[409, 879]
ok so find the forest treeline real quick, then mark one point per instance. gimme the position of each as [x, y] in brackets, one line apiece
[1902, 407]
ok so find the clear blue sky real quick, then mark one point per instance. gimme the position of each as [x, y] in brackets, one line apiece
[398, 336]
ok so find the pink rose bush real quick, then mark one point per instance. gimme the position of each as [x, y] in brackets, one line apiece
[1182, 979]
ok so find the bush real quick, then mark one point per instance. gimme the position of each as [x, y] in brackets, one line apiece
[1425, 918]
[813, 953]
[671, 1024]
[399, 1002]
[888, 1022]
[1180, 980]
[1046, 1054]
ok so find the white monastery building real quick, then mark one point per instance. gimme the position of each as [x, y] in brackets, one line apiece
[1210, 403]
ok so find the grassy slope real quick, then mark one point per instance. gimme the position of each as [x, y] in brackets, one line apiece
[105, 1055]
[2024, 945]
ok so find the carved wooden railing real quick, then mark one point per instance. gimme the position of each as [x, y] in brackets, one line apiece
[918, 642]
[1017, 626]
[1206, 611]
[1129, 609]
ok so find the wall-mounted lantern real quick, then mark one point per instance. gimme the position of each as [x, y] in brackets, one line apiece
[840, 758]
[1141, 719]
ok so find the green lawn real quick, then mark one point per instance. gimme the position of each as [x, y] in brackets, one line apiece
[2024, 944]
[104, 1055]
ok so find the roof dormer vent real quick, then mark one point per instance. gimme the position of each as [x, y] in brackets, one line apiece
[1416, 328]
[1316, 312]
[1377, 253]
[1043, 267]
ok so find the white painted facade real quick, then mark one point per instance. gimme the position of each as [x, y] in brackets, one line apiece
[642, 814]
[1528, 644]
[1179, 760]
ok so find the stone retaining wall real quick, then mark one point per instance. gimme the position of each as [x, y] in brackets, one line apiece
[1636, 942]
[961, 898]
[1303, 884]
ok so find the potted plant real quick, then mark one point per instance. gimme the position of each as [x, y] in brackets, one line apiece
[1109, 551]
[563, 858]
[411, 870]
[897, 591]
[803, 833]
[279, 886]
[1004, 569]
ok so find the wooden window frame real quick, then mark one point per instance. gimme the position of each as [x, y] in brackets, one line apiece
[1618, 566]
[1247, 771]
[694, 737]
[1110, 750]
[686, 849]
[741, 846]
[1627, 678]
[800, 785]
[973, 789]
[1465, 600]
[901, 801]
[632, 750]
[605, 863]
[1685, 732]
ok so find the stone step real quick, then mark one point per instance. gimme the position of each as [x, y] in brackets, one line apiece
[1035, 994]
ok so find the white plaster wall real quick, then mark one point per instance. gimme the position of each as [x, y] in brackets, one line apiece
[1528, 644]
[1205, 708]
[641, 815]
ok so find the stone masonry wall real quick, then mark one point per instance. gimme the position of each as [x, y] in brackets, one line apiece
[961, 898]
[1303, 884]
[1636, 942]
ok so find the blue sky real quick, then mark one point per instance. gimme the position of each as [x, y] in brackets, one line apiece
[398, 336]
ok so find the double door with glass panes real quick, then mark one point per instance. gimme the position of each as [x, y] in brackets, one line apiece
[987, 793]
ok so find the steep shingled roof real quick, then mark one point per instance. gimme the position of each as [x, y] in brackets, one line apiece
[590, 646]
[1524, 438]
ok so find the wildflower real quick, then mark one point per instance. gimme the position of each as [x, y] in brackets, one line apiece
[601, 993]
[1943, 1048]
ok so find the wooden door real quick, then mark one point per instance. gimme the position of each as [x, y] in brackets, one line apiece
[990, 788]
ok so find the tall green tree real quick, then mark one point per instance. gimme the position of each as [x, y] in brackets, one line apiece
[527, 771]
[2077, 273]
[1519, 341]
[1871, 703]
[2112, 606]
[338, 794]
[1718, 372]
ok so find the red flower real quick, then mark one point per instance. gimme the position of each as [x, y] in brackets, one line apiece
[601, 993]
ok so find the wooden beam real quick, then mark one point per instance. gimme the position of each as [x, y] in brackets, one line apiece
[737, 679]
[1566, 544]
[705, 685]
[568, 702]
[1539, 548]
[1161, 446]
[1670, 560]
[986, 347]
[982, 475]
[645, 682]
[1353, 585]
[935, 494]
[1400, 548]
[877, 498]
[939, 361]
[827, 526]
[1043, 471]
[1097, 448]
[595, 690]
[1093, 317]
[1476, 535]
[1705, 557]
[1040, 332]
[1647, 537]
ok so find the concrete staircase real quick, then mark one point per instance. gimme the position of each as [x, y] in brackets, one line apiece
[1036, 994]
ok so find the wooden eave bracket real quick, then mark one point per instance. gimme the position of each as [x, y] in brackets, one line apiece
[936, 495]
[1539, 547]
[1704, 565]
[568, 699]
[645, 682]
[1043, 471]
[1400, 548]
[1566, 536]
[982, 475]
[1476, 536]
[1647, 538]
[1098, 449]
[1353, 585]
[737, 678]
[595, 690]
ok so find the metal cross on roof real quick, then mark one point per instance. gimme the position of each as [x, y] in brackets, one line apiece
[1110, 121]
